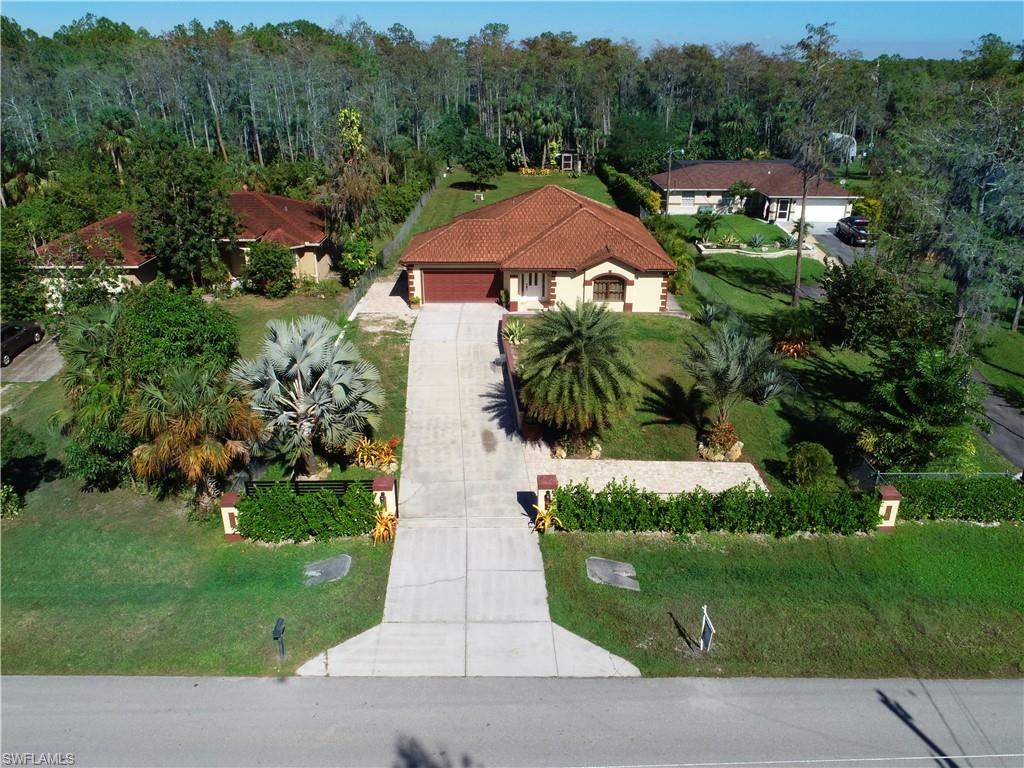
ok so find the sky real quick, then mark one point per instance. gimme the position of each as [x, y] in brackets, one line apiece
[917, 28]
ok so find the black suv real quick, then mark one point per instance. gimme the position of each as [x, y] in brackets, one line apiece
[16, 337]
[853, 229]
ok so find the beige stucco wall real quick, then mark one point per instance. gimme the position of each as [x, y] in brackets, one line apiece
[707, 197]
[644, 294]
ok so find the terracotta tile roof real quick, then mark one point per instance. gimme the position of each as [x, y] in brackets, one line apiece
[277, 219]
[119, 227]
[546, 228]
[772, 178]
[260, 216]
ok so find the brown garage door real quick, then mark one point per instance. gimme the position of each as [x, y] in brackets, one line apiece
[461, 285]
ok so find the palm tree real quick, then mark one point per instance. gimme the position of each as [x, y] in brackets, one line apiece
[115, 129]
[706, 222]
[194, 423]
[731, 366]
[576, 369]
[549, 119]
[312, 388]
[96, 389]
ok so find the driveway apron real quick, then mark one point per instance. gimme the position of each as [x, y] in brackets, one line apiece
[466, 593]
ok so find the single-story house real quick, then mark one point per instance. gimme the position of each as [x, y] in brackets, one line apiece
[541, 247]
[296, 224]
[690, 185]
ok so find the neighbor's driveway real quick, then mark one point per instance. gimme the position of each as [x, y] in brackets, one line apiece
[825, 234]
[40, 362]
[466, 592]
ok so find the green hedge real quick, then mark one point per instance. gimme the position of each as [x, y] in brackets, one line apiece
[983, 499]
[281, 514]
[624, 507]
[628, 193]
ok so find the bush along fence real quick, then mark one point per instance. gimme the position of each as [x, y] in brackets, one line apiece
[743, 509]
[301, 510]
[980, 499]
[386, 258]
[628, 193]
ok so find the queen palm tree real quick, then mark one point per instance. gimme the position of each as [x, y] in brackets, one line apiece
[706, 222]
[731, 365]
[312, 388]
[194, 423]
[115, 130]
[576, 370]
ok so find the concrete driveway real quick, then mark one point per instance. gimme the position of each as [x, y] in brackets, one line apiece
[40, 362]
[466, 592]
[825, 234]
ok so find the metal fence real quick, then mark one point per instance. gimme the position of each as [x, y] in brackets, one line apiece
[385, 259]
[883, 478]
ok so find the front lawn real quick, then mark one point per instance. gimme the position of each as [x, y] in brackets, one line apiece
[454, 195]
[932, 600]
[253, 312]
[736, 224]
[119, 583]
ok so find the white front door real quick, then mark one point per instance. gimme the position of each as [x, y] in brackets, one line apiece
[532, 285]
[783, 214]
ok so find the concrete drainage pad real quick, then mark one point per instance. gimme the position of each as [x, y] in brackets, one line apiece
[323, 571]
[612, 572]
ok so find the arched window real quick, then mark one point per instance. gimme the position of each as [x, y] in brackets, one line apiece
[609, 289]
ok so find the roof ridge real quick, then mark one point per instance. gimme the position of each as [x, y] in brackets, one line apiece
[543, 234]
[522, 197]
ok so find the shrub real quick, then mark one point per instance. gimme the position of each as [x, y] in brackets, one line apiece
[16, 442]
[279, 513]
[98, 456]
[396, 201]
[756, 240]
[811, 464]
[982, 499]
[357, 256]
[270, 270]
[10, 503]
[629, 194]
[624, 507]
[160, 327]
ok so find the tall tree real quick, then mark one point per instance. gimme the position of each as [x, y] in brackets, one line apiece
[181, 214]
[817, 59]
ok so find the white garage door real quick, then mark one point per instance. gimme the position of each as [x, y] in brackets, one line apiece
[823, 211]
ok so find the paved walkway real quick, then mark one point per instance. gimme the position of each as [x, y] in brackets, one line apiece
[466, 593]
[385, 303]
[657, 476]
[1007, 425]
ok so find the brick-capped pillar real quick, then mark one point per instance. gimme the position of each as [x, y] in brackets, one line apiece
[229, 516]
[627, 307]
[546, 486]
[888, 508]
[664, 294]
[410, 276]
[384, 494]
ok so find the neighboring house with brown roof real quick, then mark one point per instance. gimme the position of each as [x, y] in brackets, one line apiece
[694, 184]
[541, 247]
[296, 224]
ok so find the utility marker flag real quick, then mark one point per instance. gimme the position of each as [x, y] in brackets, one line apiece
[707, 632]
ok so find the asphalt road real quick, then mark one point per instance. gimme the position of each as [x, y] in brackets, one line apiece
[423, 723]
[1006, 423]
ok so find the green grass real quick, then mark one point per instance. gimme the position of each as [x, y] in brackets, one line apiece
[735, 224]
[253, 312]
[934, 600]
[119, 583]
[1001, 361]
[454, 195]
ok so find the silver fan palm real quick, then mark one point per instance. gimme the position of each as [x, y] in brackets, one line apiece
[311, 388]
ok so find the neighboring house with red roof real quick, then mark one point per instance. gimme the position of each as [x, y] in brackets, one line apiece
[296, 224]
[541, 247]
[694, 184]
